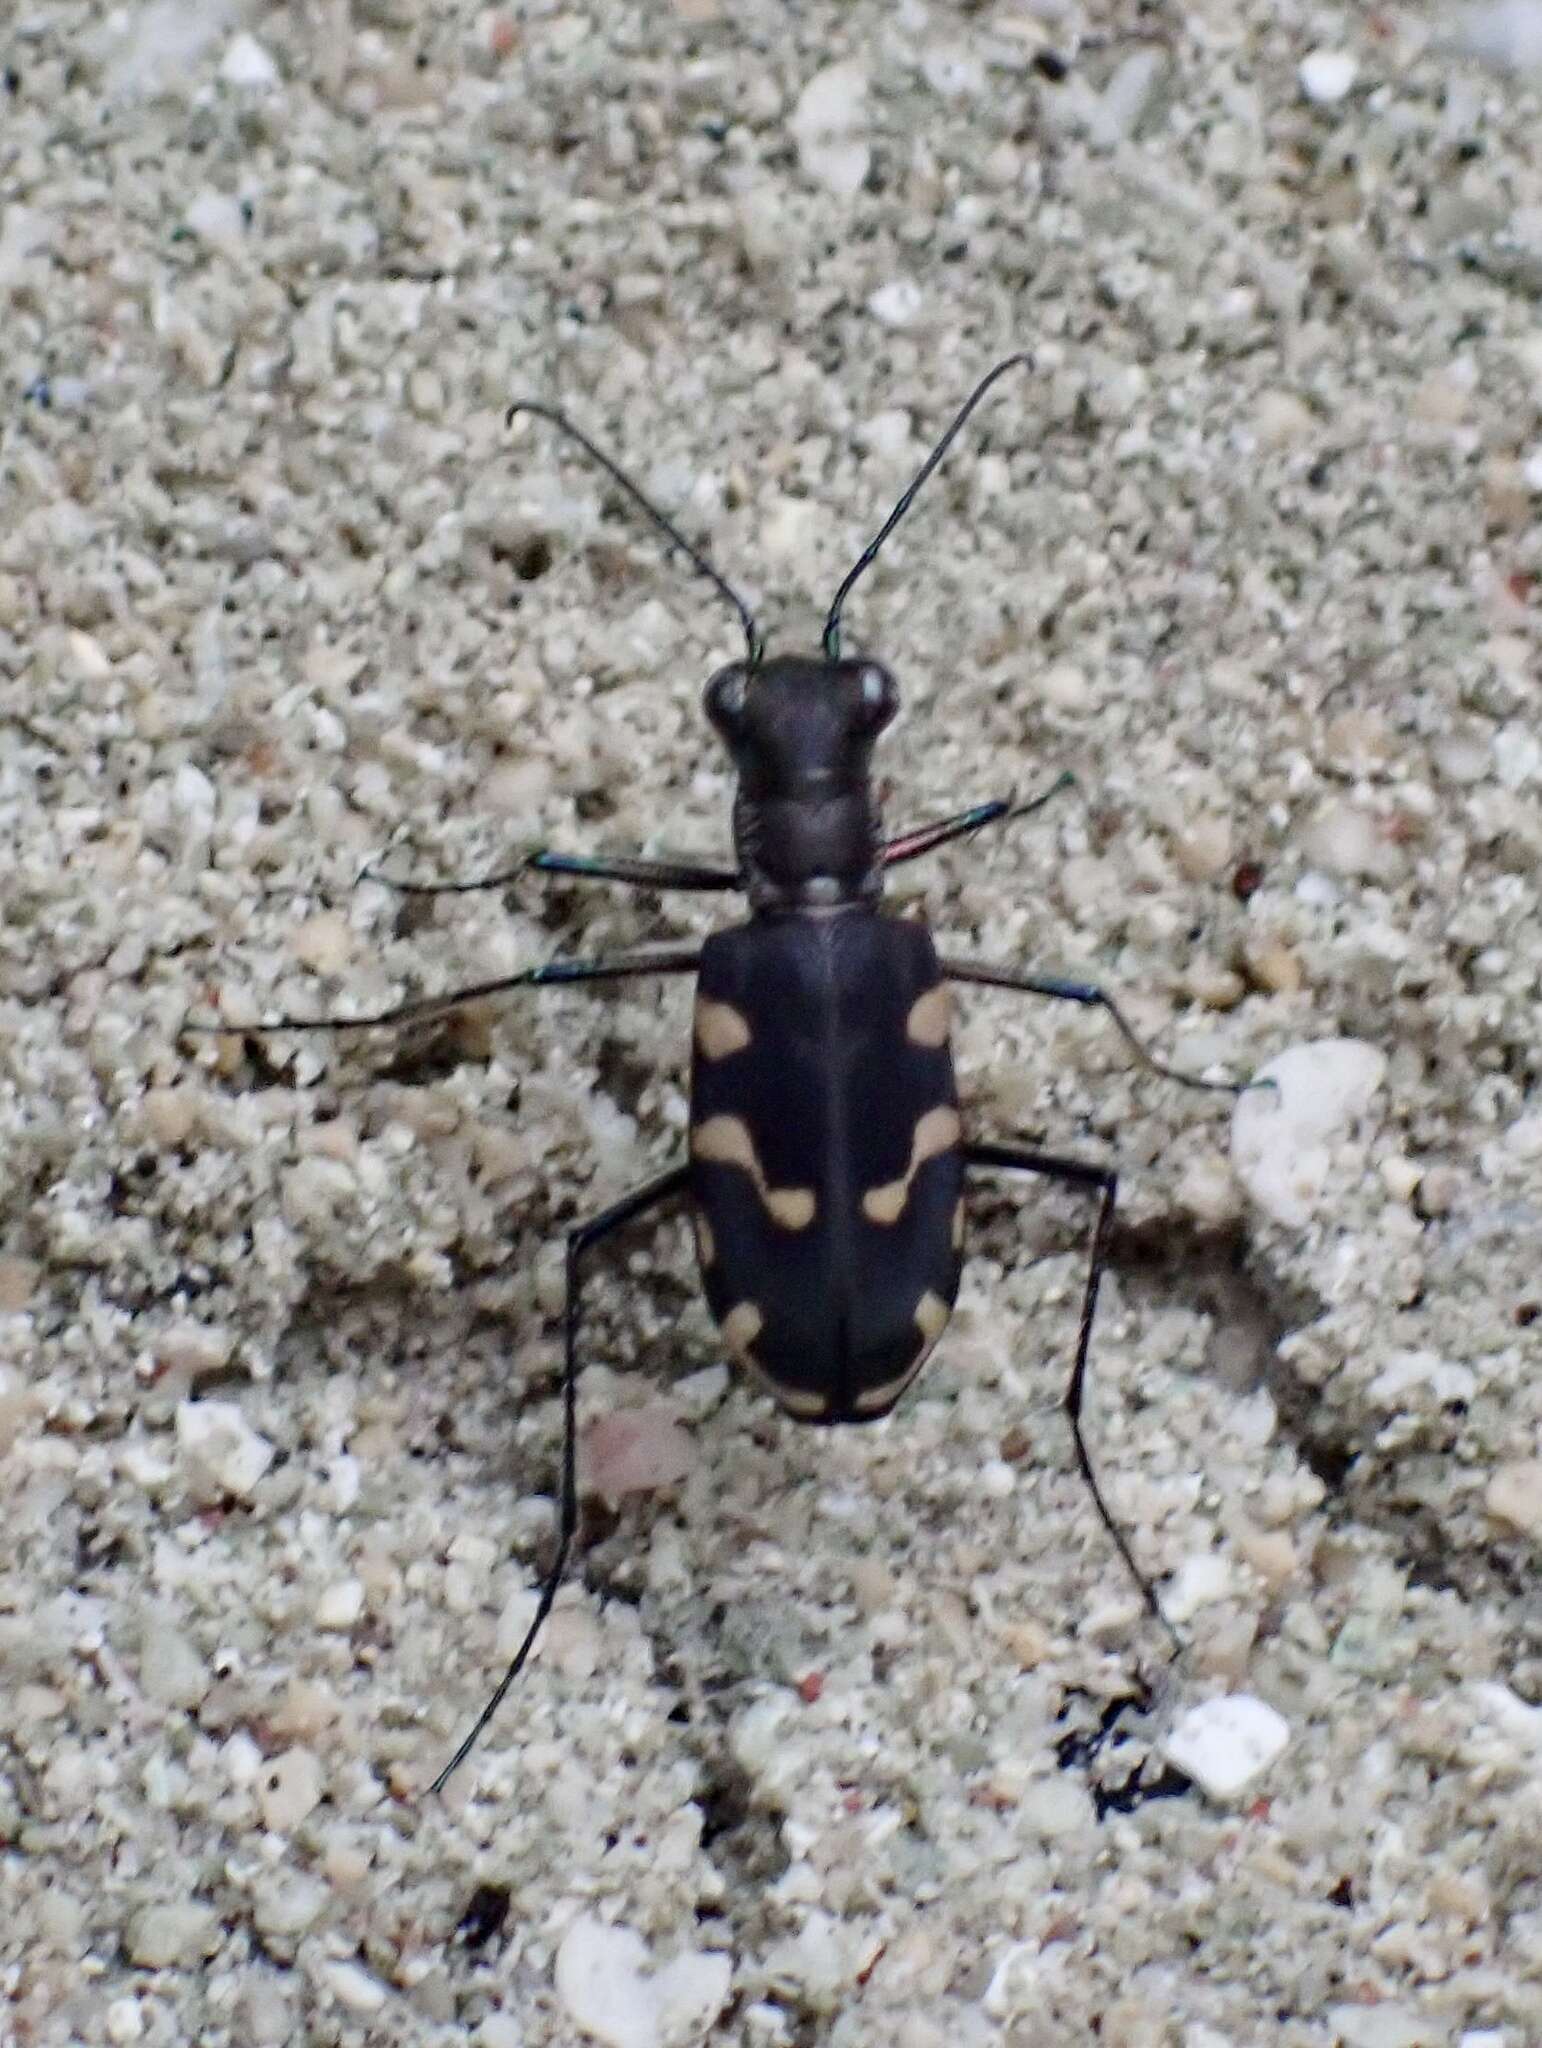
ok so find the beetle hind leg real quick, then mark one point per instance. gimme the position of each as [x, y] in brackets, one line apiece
[581, 1239]
[1102, 1182]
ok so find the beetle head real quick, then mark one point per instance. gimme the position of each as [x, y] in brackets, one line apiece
[800, 729]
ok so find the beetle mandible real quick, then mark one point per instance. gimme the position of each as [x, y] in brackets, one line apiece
[827, 1153]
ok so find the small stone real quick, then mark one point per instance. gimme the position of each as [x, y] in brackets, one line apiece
[217, 219]
[286, 1903]
[323, 943]
[635, 1450]
[220, 1450]
[898, 303]
[289, 1790]
[1217, 987]
[831, 110]
[171, 1672]
[1063, 686]
[1203, 848]
[193, 1348]
[1224, 1744]
[170, 1936]
[1198, 1582]
[1283, 1137]
[1281, 419]
[353, 1986]
[340, 1605]
[169, 1114]
[125, 2020]
[1400, 1177]
[1055, 1807]
[1387, 2025]
[1357, 743]
[1344, 838]
[608, 1989]
[1514, 1496]
[248, 65]
[1327, 76]
[499, 2030]
[1272, 967]
[1271, 1553]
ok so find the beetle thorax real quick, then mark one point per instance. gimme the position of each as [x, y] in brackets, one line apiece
[801, 732]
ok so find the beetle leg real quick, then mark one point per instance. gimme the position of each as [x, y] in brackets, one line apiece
[1089, 993]
[658, 960]
[927, 838]
[637, 870]
[581, 1239]
[1104, 1183]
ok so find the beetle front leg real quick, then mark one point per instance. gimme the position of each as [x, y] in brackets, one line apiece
[1102, 1182]
[581, 1239]
[999, 810]
[1089, 994]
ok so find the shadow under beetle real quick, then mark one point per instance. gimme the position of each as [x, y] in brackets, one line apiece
[827, 1154]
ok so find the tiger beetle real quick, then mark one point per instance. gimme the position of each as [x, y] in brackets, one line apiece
[827, 1154]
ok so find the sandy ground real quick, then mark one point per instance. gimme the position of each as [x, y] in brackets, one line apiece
[1253, 552]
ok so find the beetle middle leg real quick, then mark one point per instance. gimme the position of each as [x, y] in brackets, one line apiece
[1088, 993]
[417, 1009]
[638, 871]
[1103, 1182]
[582, 1238]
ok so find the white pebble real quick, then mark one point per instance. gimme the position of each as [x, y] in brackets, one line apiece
[220, 1450]
[1514, 1495]
[171, 1672]
[1387, 2025]
[898, 303]
[340, 1605]
[1225, 1743]
[1283, 1138]
[161, 1937]
[216, 218]
[1198, 1582]
[499, 2030]
[824, 125]
[246, 63]
[1327, 76]
[290, 1790]
[1345, 838]
[353, 1986]
[125, 2020]
[604, 1981]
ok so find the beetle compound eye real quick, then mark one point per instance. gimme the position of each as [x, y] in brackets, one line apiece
[725, 695]
[877, 695]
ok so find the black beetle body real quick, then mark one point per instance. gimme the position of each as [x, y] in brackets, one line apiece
[825, 1164]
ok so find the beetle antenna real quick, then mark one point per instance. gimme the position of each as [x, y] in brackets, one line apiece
[666, 526]
[864, 561]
